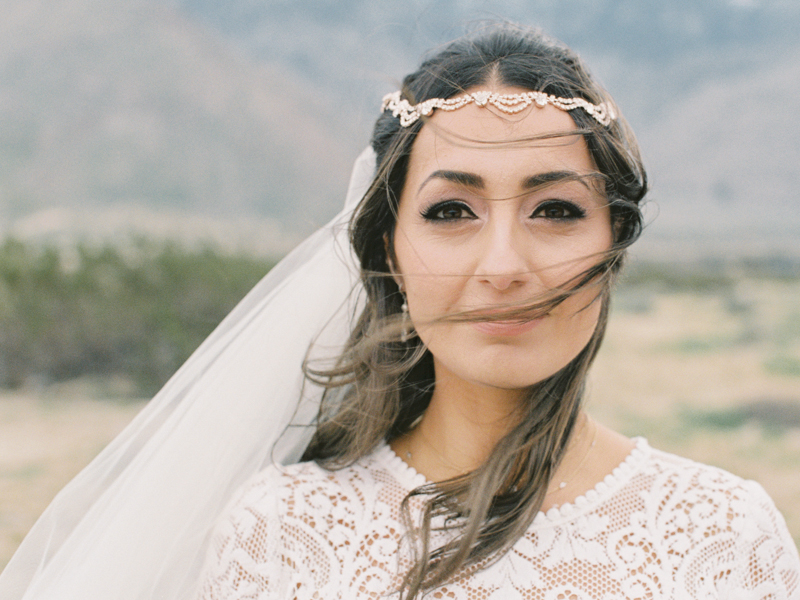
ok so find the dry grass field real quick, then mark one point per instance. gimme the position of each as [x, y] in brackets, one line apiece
[712, 374]
[44, 441]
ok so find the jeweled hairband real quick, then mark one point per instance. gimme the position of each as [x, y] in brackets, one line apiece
[409, 114]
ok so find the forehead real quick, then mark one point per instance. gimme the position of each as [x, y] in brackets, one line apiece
[481, 138]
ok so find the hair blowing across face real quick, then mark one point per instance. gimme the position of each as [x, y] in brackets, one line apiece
[381, 384]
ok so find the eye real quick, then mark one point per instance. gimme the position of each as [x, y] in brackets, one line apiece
[449, 210]
[558, 210]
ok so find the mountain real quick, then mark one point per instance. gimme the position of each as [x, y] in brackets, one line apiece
[125, 102]
[354, 40]
[257, 107]
[727, 156]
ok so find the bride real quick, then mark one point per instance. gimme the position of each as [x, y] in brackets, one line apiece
[444, 449]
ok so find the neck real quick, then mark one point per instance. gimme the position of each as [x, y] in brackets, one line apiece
[461, 426]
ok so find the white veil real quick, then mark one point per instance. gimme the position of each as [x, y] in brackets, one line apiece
[134, 524]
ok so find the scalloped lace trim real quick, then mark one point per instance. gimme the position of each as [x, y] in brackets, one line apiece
[658, 527]
[411, 478]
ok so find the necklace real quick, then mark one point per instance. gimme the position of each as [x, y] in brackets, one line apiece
[461, 470]
[564, 483]
[444, 460]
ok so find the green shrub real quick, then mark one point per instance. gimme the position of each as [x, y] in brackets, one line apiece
[137, 311]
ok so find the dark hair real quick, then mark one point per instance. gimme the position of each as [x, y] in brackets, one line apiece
[387, 383]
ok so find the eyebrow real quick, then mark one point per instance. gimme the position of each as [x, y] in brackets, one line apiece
[551, 177]
[534, 181]
[459, 177]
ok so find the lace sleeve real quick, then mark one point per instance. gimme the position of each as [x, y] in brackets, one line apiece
[766, 556]
[245, 560]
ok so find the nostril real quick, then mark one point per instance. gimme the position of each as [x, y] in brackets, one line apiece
[505, 280]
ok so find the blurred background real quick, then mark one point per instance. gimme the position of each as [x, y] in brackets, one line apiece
[158, 156]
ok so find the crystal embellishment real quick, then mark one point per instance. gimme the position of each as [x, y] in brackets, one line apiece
[510, 104]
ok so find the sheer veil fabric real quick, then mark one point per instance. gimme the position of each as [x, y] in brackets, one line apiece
[135, 523]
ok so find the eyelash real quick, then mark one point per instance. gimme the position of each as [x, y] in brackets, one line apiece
[432, 212]
[570, 211]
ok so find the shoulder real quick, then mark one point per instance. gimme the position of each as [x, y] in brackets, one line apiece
[682, 482]
[302, 493]
[703, 493]
[301, 515]
[296, 504]
[706, 515]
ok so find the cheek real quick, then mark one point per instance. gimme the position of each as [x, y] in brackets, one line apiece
[433, 274]
[563, 260]
[581, 313]
[434, 286]
[430, 297]
[574, 323]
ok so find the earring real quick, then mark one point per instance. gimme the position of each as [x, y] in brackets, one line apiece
[405, 333]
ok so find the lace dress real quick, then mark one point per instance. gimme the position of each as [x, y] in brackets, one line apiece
[659, 527]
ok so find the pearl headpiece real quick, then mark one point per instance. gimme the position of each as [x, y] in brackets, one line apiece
[409, 114]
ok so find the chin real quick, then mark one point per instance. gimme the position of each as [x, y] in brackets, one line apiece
[518, 379]
[506, 370]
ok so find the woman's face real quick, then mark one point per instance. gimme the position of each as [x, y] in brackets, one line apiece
[482, 228]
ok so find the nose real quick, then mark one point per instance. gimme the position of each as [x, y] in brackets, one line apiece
[504, 262]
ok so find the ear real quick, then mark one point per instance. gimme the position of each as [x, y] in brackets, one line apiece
[398, 279]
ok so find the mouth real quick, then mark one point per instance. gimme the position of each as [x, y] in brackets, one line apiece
[506, 328]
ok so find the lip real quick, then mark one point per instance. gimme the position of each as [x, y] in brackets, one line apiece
[506, 328]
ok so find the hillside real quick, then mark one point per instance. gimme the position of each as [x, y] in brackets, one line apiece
[727, 157]
[107, 102]
[254, 109]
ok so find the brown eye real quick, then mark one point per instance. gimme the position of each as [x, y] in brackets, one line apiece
[555, 212]
[448, 211]
[558, 210]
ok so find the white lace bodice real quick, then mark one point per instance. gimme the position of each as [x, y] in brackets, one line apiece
[659, 527]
